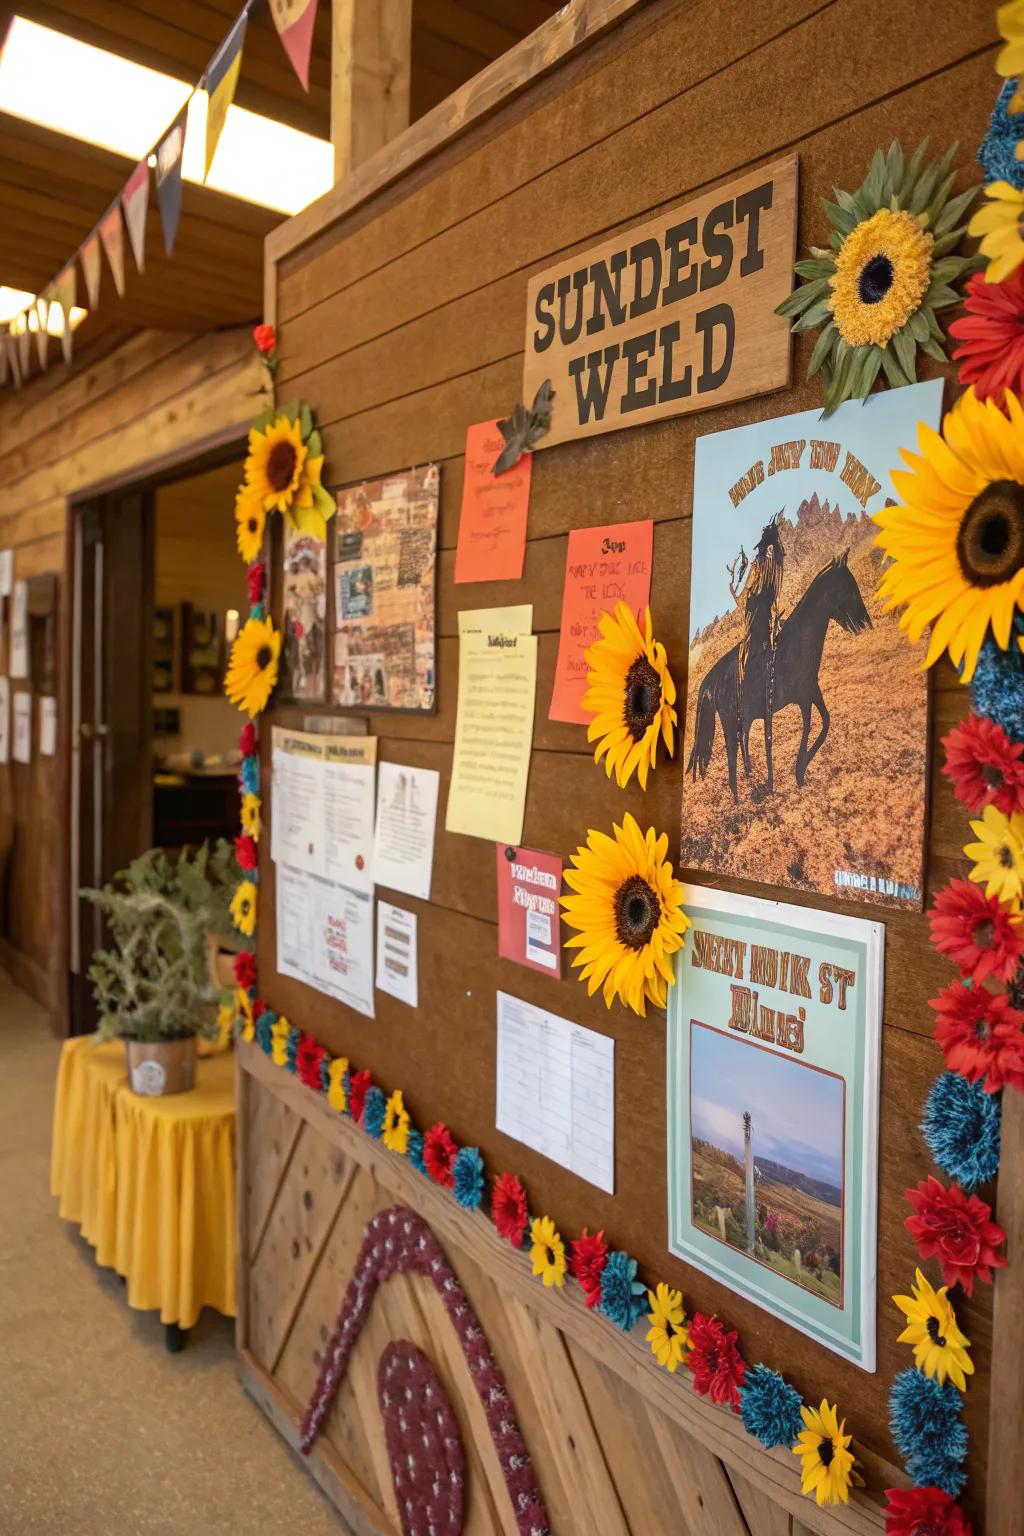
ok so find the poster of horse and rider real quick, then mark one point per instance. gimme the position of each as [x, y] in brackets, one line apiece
[806, 711]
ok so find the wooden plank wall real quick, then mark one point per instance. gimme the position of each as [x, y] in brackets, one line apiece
[404, 322]
[150, 397]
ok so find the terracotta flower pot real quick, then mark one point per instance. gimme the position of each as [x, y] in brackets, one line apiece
[161, 1067]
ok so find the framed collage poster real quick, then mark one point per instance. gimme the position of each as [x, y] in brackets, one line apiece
[774, 1040]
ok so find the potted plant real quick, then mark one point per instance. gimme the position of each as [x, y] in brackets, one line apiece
[153, 986]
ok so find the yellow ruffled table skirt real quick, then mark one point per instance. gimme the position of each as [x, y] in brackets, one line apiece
[150, 1181]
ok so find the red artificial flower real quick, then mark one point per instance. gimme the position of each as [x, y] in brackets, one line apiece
[439, 1154]
[359, 1084]
[956, 1229]
[991, 336]
[265, 338]
[259, 1006]
[924, 1512]
[245, 969]
[975, 931]
[247, 740]
[984, 766]
[256, 581]
[308, 1060]
[509, 1210]
[246, 852]
[714, 1358]
[588, 1255]
[979, 1033]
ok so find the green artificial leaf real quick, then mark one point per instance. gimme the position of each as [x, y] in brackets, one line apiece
[814, 316]
[871, 194]
[843, 218]
[818, 266]
[954, 211]
[894, 168]
[893, 372]
[912, 172]
[314, 444]
[934, 349]
[822, 348]
[903, 346]
[524, 428]
[324, 501]
[918, 327]
[872, 368]
[305, 421]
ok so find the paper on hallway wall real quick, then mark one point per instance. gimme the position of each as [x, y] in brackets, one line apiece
[22, 728]
[493, 725]
[322, 805]
[556, 1089]
[529, 884]
[5, 720]
[396, 953]
[19, 630]
[325, 937]
[492, 518]
[603, 566]
[403, 844]
[47, 727]
[6, 572]
[304, 606]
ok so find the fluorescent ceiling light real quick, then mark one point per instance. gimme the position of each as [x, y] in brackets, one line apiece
[15, 301]
[103, 99]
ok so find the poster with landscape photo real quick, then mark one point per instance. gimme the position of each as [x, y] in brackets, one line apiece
[806, 713]
[773, 1055]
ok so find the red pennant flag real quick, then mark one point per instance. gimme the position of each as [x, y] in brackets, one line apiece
[91, 267]
[295, 20]
[66, 289]
[112, 234]
[135, 202]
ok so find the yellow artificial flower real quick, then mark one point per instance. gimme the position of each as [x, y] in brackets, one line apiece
[305, 514]
[630, 694]
[940, 1349]
[243, 1011]
[396, 1124]
[251, 816]
[998, 855]
[998, 225]
[250, 523]
[279, 1033]
[547, 1251]
[1010, 62]
[627, 915]
[956, 540]
[827, 1463]
[275, 463]
[883, 269]
[225, 1026]
[243, 908]
[252, 670]
[668, 1335]
[337, 1097]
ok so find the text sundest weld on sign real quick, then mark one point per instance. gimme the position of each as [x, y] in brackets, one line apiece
[675, 315]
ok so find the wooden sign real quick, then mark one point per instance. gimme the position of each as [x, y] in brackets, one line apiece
[676, 315]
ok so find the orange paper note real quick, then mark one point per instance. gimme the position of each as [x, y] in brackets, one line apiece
[604, 566]
[492, 523]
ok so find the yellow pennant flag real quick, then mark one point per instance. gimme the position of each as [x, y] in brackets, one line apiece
[221, 80]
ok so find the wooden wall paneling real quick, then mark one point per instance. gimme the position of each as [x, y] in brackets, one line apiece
[273, 1129]
[763, 1517]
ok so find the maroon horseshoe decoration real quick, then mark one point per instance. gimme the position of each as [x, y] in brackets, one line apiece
[422, 1438]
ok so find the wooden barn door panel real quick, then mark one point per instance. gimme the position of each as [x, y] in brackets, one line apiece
[274, 1129]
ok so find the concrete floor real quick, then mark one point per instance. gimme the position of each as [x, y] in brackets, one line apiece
[101, 1431]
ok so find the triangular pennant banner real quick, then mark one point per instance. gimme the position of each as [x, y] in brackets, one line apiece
[168, 179]
[135, 202]
[92, 264]
[14, 359]
[42, 313]
[5, 362]
[294, 20]
[112, 234]
[24, 343]
[66, 289]
[221, 79]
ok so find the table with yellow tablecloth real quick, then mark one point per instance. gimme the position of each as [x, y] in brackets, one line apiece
[150, 1181]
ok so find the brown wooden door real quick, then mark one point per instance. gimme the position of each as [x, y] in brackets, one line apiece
[111, 778]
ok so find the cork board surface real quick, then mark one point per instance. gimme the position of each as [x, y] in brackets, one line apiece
[404, 325]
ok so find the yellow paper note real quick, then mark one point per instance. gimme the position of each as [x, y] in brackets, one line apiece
[494, 724]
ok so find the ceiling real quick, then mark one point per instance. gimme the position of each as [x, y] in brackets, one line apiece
[53, 189]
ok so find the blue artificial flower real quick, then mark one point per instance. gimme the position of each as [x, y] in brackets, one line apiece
[264, 1025]
[291, 1046]
[623, 1297]
[961, 1126]
[468, 1173]
[998, 683]
[258, 611]
[926, 1424]
[374, 1111]
[414, 1151]
[249, 774]
[770, 1407]
[325, 1074]
[997, 155]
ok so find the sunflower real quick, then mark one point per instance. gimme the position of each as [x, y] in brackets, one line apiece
[1010, 21]
[279, 1032]
[940, 1349]
[826, 1460]
[243, 908]
[252, 670]
[998, 855]
[956, 540]
[998, 224]
[396, 1124]
[284, 468]
[243, 1012]
[250, 522]
[667, 1334]
[337, 1094]
[627, 914]
[886, 272]
[251, 816]
[631, 695]
[547, 1251]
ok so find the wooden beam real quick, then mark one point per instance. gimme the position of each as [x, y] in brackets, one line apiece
[370, 73]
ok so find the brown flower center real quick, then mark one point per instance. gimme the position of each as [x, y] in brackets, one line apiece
[826, 1450]
[643, 698]
[252, 525]
[993, 776]
[281, 465]
[934, 1334]
[264, 656]
[637, 912]
[982, 1028]
[990, 539]
[1006, 856]
[983, 933]
[876, 278]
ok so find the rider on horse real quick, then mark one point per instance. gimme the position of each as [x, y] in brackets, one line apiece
[761, 612]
